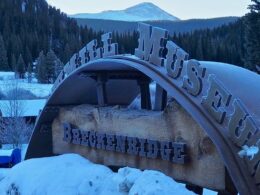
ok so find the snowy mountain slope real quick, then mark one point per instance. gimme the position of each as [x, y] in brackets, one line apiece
[140, 12]
[8, 82]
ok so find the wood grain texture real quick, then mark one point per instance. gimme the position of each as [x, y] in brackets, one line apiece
[173, 124]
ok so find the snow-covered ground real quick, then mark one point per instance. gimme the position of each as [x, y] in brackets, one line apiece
[6, 75]
[72, 174]
[8, 81]
[3, 173]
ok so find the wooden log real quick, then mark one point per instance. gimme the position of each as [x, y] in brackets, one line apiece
[205, 167]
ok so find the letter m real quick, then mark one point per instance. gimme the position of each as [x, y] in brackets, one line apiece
[152, 42]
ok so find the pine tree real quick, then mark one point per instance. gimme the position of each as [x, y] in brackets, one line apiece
[27, 56]
[199, 50]
[252, 36]
[20, 67]
[29, 73]
[50, 64]
[67, 53]
[58, 68]
[3, 56]
[255, 6]
[40, 68]
[13, 63]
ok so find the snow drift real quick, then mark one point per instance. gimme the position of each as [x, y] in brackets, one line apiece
[72, 174]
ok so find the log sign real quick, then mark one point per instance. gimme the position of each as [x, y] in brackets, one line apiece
[174, 152]
[241, 127]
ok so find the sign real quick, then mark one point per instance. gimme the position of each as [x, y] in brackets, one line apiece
[171, 151]
[229, 115]
[168, 141]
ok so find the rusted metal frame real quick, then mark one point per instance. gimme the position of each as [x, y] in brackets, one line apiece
[101, 89]
[43, 137]
[142, 80]
[102, 77]
[230, 188]
[238, 175]
[132, 75]
[196, 189]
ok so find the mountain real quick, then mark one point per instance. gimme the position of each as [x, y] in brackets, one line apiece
[140, 12]
[180, 26]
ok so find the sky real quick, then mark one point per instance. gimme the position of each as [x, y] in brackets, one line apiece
[183, 9]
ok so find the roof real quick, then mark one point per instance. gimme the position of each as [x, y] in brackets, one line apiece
[25, 108]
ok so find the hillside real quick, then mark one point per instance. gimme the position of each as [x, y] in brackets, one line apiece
[180, 26]
[27, 91]
[30, 26]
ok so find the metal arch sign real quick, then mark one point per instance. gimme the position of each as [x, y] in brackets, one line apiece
[225, 111]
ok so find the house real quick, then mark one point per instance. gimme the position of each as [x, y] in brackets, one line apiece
[28, 109]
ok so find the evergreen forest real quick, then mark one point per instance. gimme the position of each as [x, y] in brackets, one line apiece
[36, 37]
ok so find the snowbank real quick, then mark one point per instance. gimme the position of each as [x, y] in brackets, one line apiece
[72, 174]
[3, 173]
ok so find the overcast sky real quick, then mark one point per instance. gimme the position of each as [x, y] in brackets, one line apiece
[184, 9]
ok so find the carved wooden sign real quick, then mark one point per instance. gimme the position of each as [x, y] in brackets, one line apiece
[166, 150]
[168, 141]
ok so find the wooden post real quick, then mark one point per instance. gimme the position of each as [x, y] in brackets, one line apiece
[230, 189]
[196, 189]
[101, 90]
[160, 98]
[145, 94]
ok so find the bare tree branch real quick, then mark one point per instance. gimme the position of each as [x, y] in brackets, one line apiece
[13, 128]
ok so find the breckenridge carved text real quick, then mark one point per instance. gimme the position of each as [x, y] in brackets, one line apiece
[171, 151]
